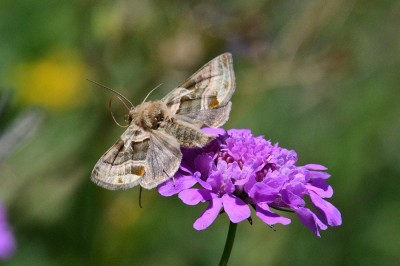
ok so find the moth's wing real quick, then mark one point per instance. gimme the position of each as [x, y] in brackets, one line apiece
[163, 159]
[124, 164]
[208, 117]
[204, 99]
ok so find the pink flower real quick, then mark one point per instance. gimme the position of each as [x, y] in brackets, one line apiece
[238, 170]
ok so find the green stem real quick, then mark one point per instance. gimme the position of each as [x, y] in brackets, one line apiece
[228, 244]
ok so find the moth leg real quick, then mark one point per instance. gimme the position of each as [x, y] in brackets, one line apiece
[173, 179]
[140, 197]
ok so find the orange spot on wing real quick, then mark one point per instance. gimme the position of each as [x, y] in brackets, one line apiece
[214, 103]
[138, 171]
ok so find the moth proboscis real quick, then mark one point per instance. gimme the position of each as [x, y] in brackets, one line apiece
[148, 152]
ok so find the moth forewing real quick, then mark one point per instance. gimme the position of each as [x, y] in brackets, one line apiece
[214, 78]
[123, 165]
[205, 96]
[148, 152]
[163, 159]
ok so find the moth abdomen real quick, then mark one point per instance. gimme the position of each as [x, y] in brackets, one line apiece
[187, 135]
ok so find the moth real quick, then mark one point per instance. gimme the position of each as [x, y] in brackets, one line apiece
[148, 152]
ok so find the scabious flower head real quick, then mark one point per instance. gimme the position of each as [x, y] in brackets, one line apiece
[7, 241]
[238, 170]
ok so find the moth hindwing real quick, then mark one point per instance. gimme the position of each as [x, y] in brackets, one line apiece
[148, 152]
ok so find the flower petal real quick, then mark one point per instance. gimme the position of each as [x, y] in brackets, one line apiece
[250, 183]
[297, 188]
[193, 196]
[315, 175]
[330, 213]
[242, 175]
[309, 219]
[267, 216]
[316, 167]
[183, 168]
[209, 215]
[292, 199]
[203, 183]
[203, 164]
[236, 209]
[176, 185]
[213, 131]
[321, 187]
[216, 177]
[261, 192]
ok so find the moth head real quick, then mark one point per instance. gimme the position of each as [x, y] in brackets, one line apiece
[130, 115]
[134, 112]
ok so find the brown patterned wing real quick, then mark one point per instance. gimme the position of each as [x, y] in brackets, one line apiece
[124, 164]
[163, 159]
[204, 99]
[138, 158]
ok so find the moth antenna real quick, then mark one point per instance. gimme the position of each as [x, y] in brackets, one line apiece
[148, 94]
[126, 106]
[116, 92]
[140, 197]
[111, 112]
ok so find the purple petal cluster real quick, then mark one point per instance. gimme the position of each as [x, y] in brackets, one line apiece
[7, 241]
[238, 170]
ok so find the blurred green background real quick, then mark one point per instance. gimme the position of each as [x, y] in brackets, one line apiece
[320, 77]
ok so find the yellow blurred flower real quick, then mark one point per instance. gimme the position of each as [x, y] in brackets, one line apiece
[55, 81]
